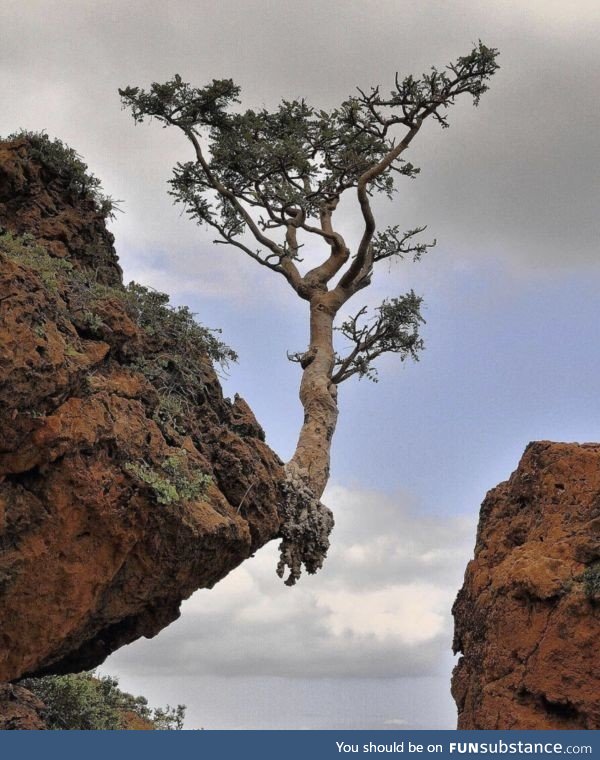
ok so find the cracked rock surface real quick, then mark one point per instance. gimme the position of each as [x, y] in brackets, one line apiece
[89, 559]
[527, 619]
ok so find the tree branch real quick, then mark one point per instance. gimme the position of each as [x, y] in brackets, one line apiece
[339, 255]
[286, 266]
[394, 329]
[391, 242]
[361, 264]
[228, 239]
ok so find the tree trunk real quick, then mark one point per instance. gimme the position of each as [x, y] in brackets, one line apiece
[306, 522]
[318, 395]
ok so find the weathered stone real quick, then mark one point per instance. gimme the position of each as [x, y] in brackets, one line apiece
[89, 561]
[20, 710]
[527, 620]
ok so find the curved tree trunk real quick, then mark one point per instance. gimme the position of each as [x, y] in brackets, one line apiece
[310, 462]
[307, 522]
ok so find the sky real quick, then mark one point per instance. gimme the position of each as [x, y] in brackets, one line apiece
[510, 192]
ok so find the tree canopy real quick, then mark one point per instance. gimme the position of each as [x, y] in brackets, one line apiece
[269, 184]
[277, 177]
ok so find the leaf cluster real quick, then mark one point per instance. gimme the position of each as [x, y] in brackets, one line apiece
[393, 329]
[174, 325]
[392, 243]
[591, 581]
[90, 702]
[296, 157]
[176, 364]
[178, 102]
[416, 98]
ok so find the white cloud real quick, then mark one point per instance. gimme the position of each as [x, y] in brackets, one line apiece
[379, 608]
[511, 182]
[407, 613]
[396, 722]
[550, 16]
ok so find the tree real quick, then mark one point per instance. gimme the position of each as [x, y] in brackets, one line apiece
[90, 702]
[270, 183]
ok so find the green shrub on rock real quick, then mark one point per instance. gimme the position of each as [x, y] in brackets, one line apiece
[70, 167]
[88, 702]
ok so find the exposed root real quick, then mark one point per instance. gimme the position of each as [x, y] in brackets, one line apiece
[305, 531]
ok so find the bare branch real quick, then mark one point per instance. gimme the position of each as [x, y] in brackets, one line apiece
[286, 266]
[362, 263]
[392, 243]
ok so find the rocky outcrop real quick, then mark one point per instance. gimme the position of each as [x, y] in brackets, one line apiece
[127, 481]
[38, 199]
[20, 710]
[527, 620]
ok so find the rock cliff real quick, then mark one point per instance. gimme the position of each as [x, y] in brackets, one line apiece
[527, 620]
[127, 481]
[20, 710]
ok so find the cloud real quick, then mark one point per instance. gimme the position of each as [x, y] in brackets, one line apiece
[511, 182]
[380, 608]
[510, 189]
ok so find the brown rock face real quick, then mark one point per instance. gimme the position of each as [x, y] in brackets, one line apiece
[36, 200]
[20, 710]
[105, 526]
[527, 620]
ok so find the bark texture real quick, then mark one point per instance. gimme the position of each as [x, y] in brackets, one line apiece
[307, 523]
[318, 396]
[527, 620]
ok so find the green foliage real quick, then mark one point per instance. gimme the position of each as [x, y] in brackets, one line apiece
[394, 329]
[169, 718]
[176, 368]
[591, 581]
[173, 483]
[92, 321]
[88, 702]
[24, 250]
[296, 156]
[70, 167]
[175, 326]
[75, 702]
[172, 411]
[437, 89]
[392, 243]
[190, 105]
[181, 342]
